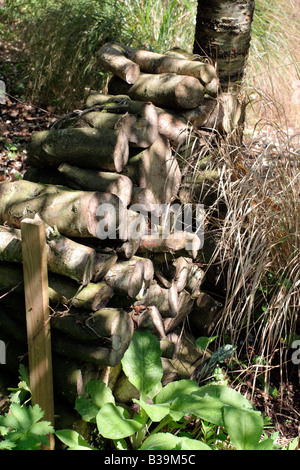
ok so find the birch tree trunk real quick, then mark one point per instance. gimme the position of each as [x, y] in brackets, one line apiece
[223, 33]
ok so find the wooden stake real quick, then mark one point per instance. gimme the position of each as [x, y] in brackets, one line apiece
[37, 317]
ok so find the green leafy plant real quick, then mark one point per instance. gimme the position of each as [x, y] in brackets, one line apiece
[22, 428]
[163, 410]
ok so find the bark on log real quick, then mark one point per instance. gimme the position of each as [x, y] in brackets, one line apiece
[154, 63]
[128, 276]
[98, 355]
[102, 264]
[158, 297]
[150, 318]
[120, 104]
[93, 296]
[70, 377]
[209, 114]
[195, 280]
[44, 176]
[188, 276]
[111, 323]
[92, 180]
[73, 213]
[62, 290]
[159, 171]
[185, 306]
[112, 58]
[132, 169]
[103, 149]
[166, 90]
[183, 267]
[141, 131]
[69, 258]
[173, 126]
[174, 242]
[223, 31]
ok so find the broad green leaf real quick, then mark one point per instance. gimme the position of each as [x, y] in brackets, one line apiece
[113, 422]
[88, 407]
[23, 419]
[167, 441]
[142, 362]
[204, 341]
[172, 390]
[72, 439]
[100, 393]
[206, 407]
[244, 427]
[226, 395]
[155, 412]
[121, 444]
[266, 444]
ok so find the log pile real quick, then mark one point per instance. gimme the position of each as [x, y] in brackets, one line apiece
[89, 176]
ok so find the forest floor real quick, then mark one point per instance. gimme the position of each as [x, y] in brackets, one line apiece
[18, 120]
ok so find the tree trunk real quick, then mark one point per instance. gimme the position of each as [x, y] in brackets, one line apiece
[223, 33]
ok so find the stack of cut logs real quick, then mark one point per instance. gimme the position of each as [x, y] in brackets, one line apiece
[120, 150]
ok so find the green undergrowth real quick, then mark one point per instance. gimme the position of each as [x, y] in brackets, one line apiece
[178, 416]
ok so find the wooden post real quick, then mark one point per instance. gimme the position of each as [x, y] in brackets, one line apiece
[37, 317]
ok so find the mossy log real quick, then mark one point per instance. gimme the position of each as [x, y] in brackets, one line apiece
[44, 176]
[69, 377]
[141, 131]
[103, 149]
[184, 307]
[209, 114]
[64, 256]
[62, 290]
[102, 181]
[100, 338]
[73, 213]
[166, 90]
[120, 56]
[119, 104]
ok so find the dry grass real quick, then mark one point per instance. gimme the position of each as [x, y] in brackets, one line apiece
[259, 240]
[273, 76]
